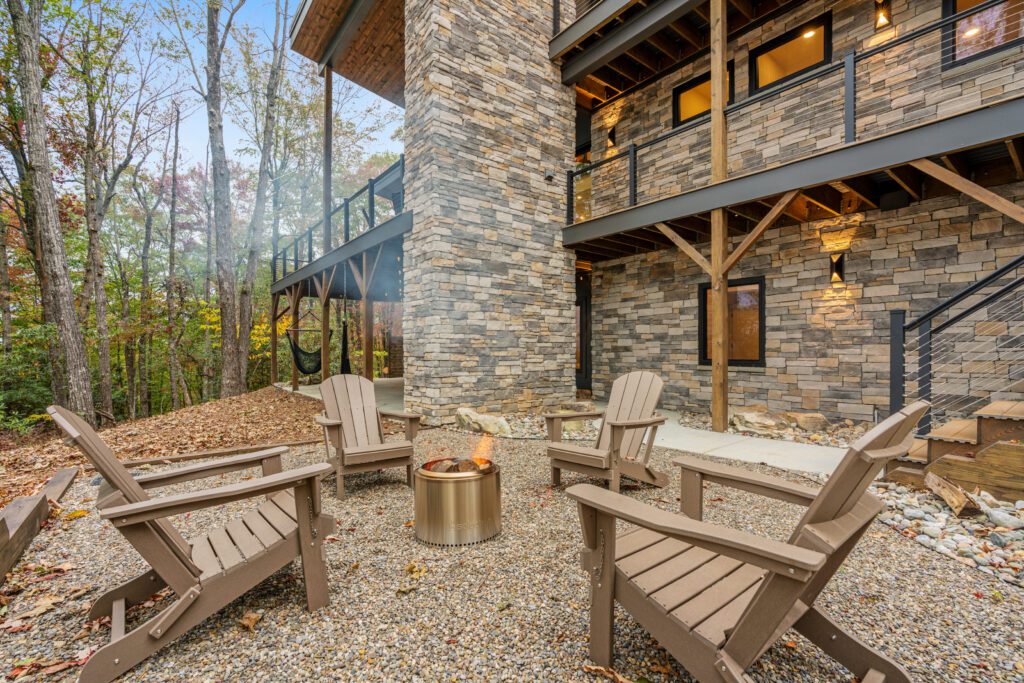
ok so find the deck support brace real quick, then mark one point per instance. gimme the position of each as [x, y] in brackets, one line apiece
[970, 188]
[364, 280]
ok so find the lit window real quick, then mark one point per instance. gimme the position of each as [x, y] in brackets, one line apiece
[582, 186]
[746, 322]
[983, 32]
[693, 98]
[789, 55]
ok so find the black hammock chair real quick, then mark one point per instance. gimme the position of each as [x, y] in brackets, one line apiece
[308, 362]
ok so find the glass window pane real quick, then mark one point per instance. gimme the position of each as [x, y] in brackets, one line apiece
[802, 52]
[988, 29]
[744, 322]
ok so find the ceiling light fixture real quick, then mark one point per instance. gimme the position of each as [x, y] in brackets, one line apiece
[971, 32]
[810, 33]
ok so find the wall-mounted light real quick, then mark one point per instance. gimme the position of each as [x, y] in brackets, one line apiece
[883, 14]
[611, 136]
[837, 267]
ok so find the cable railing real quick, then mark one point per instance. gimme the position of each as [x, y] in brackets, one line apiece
[860, 96]
[964, 352]
[360, 212]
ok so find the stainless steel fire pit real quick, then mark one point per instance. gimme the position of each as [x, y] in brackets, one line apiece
[456, 507]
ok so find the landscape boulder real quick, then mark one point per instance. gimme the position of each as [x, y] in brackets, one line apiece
[494, 425]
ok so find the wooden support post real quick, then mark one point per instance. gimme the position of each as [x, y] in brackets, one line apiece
[327, 152]
[275, 300]
[294, 300]
[367, 319]
[719, 223]
[762, 225]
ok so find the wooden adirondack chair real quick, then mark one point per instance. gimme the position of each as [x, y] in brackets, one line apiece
[352, 425]
[211, 570]
[629, 416]
[717, 598]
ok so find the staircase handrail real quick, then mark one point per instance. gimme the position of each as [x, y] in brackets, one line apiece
[963, 294]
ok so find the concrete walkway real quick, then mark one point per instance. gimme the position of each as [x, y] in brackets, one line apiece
[785, 454]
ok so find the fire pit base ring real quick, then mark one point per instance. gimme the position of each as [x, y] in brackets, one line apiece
[457, 508]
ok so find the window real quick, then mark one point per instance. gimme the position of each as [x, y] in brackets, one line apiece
[582, 186]
[794, 53]
[693, 98]
[746, 322]
[982, 33]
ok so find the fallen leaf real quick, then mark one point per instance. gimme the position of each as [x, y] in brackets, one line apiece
[411, 522]
[791, 643]
[43, 605]
[352, 568]
[76, 514]
[661, 668]
[606, 672]
[249, 620]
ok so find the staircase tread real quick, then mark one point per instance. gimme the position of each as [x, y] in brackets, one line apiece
[965, 431]
[1006, 410]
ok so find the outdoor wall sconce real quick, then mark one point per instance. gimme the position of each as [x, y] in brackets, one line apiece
[837, 267]
[611, 136]
[883, 14]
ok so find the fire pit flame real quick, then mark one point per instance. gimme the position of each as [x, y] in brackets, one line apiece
[478, 461]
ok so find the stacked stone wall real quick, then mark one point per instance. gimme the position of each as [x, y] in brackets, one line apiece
[488, 291]
[826, 344]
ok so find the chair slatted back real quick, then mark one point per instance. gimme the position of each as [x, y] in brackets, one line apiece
[351, 399]
[772, 609]
[120, 479]
[634, 396]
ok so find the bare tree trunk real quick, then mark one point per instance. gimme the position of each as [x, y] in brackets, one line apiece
[172, 285]
[6, 322]
[144, 314]
[207, 369]
[245, 307]
[94, 257]
[129, 349]
[230, 381]
[26, 24]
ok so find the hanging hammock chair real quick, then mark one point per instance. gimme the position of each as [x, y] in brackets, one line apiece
[308, 362]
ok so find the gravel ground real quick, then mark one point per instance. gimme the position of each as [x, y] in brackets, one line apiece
[513, 608]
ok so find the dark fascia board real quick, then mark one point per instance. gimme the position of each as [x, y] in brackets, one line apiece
[350, 25]
[632, 33]
[591, 20]
[390, 229]
[973, 129]
[300, 16]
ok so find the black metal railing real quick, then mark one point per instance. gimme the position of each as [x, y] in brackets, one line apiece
[360, 212]
[864, 67]
[972, 343]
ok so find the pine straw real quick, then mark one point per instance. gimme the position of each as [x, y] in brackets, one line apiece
[267, 415]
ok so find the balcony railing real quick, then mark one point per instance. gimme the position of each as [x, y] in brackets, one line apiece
[909, 80]
[360, 212]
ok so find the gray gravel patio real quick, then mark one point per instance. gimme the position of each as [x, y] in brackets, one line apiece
[513, 608]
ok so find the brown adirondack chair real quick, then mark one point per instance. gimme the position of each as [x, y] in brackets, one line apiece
[717, 598]
[629, 416]
[352, 426]
[212, 570]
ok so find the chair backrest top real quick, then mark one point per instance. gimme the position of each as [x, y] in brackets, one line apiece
[116, 474]
[864, 459]
[634, 396]
[351, 399]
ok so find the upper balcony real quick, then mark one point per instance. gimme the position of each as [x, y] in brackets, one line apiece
[373, 217]
[362, 40]
[883, 87]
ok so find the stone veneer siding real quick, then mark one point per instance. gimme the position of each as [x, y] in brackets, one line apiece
[488, 316]
[899, 88]
[826, 345]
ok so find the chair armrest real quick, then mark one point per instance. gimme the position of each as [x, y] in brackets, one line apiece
[412, 421]
[168, 506]
[269, 459]
[781, 558]
[326, 421]
[694, 472]
[655, 421]
[554, 421]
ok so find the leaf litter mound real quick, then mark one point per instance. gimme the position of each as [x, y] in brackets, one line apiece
[266, 415]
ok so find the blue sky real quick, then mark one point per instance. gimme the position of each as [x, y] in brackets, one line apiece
[260, 15]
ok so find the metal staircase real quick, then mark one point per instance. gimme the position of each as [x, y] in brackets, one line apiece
[965, 356]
